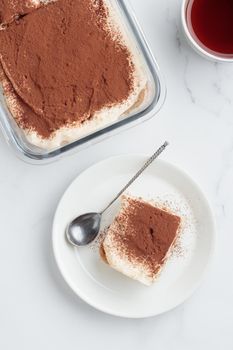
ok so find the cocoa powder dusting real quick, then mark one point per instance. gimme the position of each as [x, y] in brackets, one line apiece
[147, 233]
[13, 9]
[64, 64]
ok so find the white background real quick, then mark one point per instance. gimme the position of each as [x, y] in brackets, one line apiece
[37, 309]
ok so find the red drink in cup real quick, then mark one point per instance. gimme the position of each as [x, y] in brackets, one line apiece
[210, 26]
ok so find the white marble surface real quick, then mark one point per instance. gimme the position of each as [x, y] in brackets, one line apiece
[37, 309]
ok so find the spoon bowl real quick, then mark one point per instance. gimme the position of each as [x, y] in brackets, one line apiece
[84, 229]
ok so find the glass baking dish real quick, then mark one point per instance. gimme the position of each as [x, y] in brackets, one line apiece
[151, 104]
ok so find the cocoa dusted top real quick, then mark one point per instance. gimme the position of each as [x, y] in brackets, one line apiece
[13, 9]
[147, 233]
[64, 63]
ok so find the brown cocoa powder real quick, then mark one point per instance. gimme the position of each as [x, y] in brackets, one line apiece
[146, 233]
[64, 64]
[13, 9]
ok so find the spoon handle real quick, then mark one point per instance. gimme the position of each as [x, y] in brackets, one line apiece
[143, 168]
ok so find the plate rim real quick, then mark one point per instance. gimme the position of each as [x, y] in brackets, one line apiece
[136, 315]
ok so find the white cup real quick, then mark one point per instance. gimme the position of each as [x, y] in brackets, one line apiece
[196, 44]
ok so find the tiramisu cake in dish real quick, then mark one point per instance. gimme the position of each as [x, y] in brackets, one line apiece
[68, 68]
[140, 239]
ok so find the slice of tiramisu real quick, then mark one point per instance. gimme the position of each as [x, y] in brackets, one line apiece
[139, 240]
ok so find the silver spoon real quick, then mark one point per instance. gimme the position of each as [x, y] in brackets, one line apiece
[84, 229]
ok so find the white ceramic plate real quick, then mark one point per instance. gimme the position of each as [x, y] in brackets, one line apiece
[98, 284]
